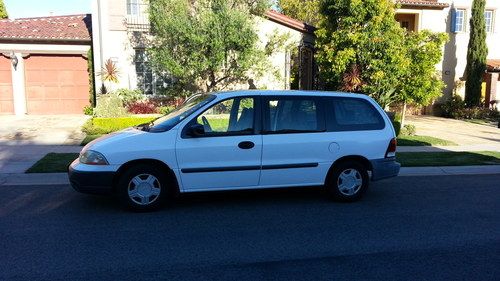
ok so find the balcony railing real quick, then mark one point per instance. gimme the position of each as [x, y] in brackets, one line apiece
[138, 18]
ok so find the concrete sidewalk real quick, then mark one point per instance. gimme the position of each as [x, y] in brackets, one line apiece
[16, 159]
[19, 179]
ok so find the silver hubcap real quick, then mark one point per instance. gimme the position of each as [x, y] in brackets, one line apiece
[349, 182]
[144, 189]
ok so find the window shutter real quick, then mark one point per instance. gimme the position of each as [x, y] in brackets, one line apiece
[453, 23]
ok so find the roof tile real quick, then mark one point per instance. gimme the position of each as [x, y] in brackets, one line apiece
[56, 28]
[423, 3]
[493, 64]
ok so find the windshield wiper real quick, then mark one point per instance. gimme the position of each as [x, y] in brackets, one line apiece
[145, 126]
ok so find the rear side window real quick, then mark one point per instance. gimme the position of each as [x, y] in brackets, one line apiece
[292, 115]
[352, 114]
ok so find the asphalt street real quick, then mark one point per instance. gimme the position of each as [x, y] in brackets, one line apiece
[406, 228]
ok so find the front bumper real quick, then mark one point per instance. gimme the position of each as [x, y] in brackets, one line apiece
[384, 168]
[91, 182]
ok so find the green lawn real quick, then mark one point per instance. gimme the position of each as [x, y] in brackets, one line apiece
[53, 163]
[422, 141]
[422, 159]
[97, 126]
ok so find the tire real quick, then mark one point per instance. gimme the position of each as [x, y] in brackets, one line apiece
[348, 181]
[143, 188]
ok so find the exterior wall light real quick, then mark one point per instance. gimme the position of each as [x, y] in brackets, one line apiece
[14, 60]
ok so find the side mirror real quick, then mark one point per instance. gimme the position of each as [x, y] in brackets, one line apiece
[196, 130]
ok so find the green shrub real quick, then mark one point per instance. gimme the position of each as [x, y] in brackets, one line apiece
[100, 126]
[397, 127]
[110, 105]
[115, 124]
[129, 96]
[451, 106]
[89, 129]
[396, 121]
[90, 70]
[476, 113]
[408, 130]
[166, 109]
[88, 110]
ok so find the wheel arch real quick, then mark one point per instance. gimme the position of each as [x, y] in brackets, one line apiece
[356, 158]
[154, 162]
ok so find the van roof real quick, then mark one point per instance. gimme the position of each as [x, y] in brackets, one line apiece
[288, 92]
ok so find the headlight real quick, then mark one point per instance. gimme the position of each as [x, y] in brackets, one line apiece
[91, 157]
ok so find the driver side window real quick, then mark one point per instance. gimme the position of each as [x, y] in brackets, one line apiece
[232, 116]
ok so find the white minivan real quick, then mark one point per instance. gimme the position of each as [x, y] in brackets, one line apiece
[244, 140]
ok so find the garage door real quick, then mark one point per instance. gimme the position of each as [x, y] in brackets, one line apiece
[56, 84]
[6, 99]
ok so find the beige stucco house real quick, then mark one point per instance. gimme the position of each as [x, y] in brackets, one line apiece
[120, 27]
[453, 17]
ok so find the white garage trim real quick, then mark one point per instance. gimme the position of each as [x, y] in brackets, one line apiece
[44, 49]
[19, 85]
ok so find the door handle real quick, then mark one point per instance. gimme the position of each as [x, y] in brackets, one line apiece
[246, 145]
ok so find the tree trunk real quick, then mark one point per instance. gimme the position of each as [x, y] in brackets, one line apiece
[403, 115]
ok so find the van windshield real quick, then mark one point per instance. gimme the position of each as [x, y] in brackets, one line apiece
[167, 122]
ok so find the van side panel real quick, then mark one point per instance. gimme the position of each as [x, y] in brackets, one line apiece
[295, 159]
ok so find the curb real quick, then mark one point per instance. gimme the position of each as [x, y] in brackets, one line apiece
[62, 178]
[34, 179]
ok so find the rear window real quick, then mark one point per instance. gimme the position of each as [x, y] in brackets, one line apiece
[352, 114]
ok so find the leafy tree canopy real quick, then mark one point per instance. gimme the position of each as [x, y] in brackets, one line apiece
[304, 10]
[421, 83]
[205, 43]
[477, 53]
[3, 11]
[361, 48]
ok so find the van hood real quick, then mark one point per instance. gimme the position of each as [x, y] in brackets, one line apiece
[112, 138]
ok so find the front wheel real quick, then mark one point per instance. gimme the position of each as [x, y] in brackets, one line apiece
[348, 181]
[142, 188]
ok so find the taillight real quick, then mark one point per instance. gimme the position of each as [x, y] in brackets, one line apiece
[391, 149]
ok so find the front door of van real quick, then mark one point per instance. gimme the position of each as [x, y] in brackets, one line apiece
[228, 154]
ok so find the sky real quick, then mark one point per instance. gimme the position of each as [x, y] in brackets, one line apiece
[41, 8]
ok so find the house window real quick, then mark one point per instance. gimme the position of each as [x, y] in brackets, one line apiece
[149, 81]
[488, 17]
[459, 20]
[133, 7]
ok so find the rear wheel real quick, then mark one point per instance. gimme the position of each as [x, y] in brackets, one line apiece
[143, 188]
[348, 181]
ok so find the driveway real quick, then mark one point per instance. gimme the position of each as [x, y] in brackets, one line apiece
[460, 132]
[42, 129]
[468, 136]
[26, 139]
